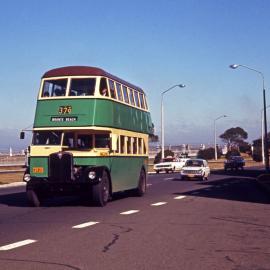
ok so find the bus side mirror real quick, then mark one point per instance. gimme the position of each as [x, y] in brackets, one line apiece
[22, 135]
[114, 141]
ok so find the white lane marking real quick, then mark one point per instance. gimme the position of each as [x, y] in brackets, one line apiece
[129, 212]
[166, 179]
[180, 197]
[86, 224]
[158, 203]
[18, 244]
[149, 185]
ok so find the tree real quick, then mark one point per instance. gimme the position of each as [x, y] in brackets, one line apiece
[166, 154]
[153, 138]
[234, 136]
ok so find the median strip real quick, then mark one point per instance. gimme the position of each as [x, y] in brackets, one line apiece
[86, 224]
[17, 244]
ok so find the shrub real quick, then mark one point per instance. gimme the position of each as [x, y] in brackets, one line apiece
[208, 153]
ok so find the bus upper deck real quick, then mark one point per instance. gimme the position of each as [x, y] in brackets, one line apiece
[87, 96]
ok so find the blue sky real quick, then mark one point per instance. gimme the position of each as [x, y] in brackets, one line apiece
[153, 44]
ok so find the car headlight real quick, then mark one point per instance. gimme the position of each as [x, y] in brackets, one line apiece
[92, 175]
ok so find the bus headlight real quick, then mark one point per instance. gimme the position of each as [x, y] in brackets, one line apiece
[92, 175]
[26, 177]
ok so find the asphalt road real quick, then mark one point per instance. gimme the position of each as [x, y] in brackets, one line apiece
[222, 223]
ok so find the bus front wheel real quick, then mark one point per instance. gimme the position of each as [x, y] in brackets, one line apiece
[33, 197]
[101, 191]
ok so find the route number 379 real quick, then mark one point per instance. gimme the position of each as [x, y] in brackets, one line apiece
[65, 109]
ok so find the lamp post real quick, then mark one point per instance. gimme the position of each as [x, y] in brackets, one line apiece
[234, 66]
[262, 121]
[162, 116]
[215, 129]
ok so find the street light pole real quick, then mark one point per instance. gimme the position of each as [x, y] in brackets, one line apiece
[215, 133]
[234, 66]
[262, 121]
[162, 116]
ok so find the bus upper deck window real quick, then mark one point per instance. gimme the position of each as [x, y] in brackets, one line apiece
[119, 91]
[131, 97]
[142, 100]
[54, 88]
[82, 87]
[112, 89]
[125, 94]
[137, 99]
[103, 87]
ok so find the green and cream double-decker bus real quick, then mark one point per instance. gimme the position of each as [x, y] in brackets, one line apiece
[90, 134]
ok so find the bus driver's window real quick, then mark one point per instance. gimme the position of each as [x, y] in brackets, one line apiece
[85, 141]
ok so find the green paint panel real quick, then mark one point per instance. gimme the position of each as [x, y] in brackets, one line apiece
[92, 112]
[124, 170]
[39, 166]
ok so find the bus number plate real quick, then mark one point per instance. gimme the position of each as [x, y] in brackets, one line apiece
[65, 109]
[38, 170]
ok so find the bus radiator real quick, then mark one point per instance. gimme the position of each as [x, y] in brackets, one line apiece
[61, 167]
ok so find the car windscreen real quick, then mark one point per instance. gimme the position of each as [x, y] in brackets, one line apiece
[194, 163]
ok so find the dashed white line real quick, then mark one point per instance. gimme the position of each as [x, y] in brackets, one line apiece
[18, 244]
[149, 185]
[129, 212]
[158, 203]
[86, 224]
[167, 179]
[180, 197]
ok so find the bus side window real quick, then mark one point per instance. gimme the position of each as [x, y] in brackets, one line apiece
[142, 101]
[125, 94]
[145, 102]
[119, 91]
[135, 146]
[131, 97]
[129, 149]
[112, 89]
[137, 99]
[144, 146]
[122, 144]
[140, 145]
[103, 87]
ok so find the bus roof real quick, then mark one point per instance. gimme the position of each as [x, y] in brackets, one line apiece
[86, 71]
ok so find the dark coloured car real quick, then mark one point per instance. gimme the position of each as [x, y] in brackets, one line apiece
[234, 163]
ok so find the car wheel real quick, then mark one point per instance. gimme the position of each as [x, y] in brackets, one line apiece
[101, 191]
[157, 171]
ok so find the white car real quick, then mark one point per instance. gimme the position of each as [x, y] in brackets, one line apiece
[170, 164]
[195, 168]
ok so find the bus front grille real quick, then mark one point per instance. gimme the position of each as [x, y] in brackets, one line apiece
[61, 167]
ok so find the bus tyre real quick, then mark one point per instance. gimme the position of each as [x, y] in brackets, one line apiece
[101, 191]
[141, 189]
[33, 197]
